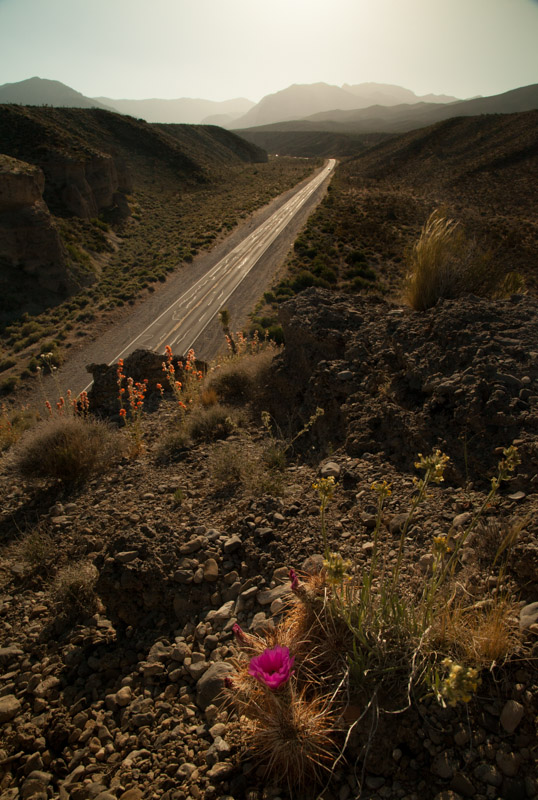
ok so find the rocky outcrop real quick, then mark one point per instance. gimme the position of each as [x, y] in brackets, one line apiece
[87, 185]
[29, 241]
[142, 366]
[462, 376]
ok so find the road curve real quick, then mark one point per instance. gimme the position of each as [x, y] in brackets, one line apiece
[186, 318]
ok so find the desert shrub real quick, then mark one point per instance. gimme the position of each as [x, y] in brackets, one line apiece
[226, 464]
[38, 550]
[70, 449]
[444, 264]
[73, 590]
[13, 423]
[239, 381]
[211, 423]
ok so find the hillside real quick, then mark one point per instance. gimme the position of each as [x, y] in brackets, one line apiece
[310, 143]
[481, 170]
[400, 118]
[43, 92]
[120, 593]
[119, 204]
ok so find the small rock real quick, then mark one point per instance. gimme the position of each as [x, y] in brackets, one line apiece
[132, 794]
[10, 653]
[461, 783]
[211, 684]
[220, 771]
[461, 520]
[211, 570]
[123, 696]
[442, 766]
[489, 774]
[397, 523]
[126, 557]
[192, 546]
[511, 715]
[232, 544]
[508, 763]
[528, 616]
[266, 597]
[9, 707]
[330, 470]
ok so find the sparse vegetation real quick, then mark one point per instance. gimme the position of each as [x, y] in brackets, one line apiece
[445, 263]
[70, 449]
[73, 590]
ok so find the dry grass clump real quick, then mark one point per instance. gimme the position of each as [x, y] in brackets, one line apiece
[207, 424]
[38, 549]
[70, 449]
[241, 380]
[241, 464]
[73, 590]
[13, 423]
[444, 264]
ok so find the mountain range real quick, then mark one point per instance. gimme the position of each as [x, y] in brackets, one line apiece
[297, 101]
[303, 119]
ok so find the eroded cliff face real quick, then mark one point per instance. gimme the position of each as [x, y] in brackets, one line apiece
[85, 186]
[30, 245]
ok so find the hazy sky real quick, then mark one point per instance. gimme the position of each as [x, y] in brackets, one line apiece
[220, 49]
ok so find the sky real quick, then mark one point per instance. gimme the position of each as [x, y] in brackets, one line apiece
[222, 49]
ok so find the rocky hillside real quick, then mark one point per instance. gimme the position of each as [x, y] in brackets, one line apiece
[112, 692]
[89, 155]
[95, 165]
[480, 170]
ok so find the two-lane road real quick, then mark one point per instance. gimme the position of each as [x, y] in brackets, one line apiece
[186, 318]
[183, 312]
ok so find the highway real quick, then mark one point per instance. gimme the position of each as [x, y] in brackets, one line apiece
[186, 318]
[181, 310]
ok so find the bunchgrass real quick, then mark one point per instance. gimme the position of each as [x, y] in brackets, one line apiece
[445, 264]
[69, 449]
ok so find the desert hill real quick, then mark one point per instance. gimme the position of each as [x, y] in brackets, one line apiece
[302, 100]
[350, 125]
[41, 91]
[493, 156]
[482, 170]
[90, 162]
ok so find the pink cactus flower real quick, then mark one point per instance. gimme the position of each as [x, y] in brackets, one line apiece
[294, 580]
[239, 634]
[273, 667]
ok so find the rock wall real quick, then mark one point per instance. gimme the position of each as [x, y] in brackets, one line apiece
[85, 186]
[29, 241]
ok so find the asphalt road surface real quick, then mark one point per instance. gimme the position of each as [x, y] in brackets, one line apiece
[181, 324]
[184, 311]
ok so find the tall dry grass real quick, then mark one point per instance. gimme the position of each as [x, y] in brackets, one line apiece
[445, 264]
